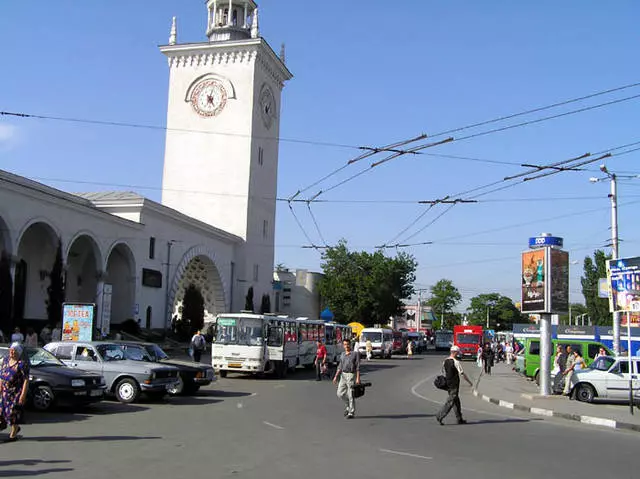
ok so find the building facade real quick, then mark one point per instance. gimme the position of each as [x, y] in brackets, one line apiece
[297, 294]
[134, 257]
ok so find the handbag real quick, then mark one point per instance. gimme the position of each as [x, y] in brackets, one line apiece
[440, 382]
[359, 389]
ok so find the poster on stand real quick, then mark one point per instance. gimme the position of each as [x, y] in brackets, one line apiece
[77, 321]
[623, 276]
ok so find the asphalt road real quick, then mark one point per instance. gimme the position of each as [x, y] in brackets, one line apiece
[293, 428]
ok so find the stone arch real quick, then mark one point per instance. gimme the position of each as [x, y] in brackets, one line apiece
[36, 252]
[120, 273]
[84, 268]
[6, 241]
[198, 266]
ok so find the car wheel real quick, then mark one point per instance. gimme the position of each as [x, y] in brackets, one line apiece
[223, 374]
[177, 388]
[42, 398]
[127, 390]
[585, 393]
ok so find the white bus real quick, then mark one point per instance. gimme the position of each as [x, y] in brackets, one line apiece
[332, 334]
[381, 341]
[253, 343]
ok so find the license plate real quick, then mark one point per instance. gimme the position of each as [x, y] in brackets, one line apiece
[235, 365]
[95, 393]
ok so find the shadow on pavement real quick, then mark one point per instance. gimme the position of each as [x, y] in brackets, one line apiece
[191, 400]
[221, 394]
[395, 416]
[32, 472]
[61, 415]
[86, 438]
[365, 368]
[500, 421]
[30, 462]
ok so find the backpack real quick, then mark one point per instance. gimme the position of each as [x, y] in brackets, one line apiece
[198, 342]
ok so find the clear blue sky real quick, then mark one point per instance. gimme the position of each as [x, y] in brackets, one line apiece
[364, 74]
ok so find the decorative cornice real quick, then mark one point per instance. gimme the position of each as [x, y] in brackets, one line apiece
[239, 56]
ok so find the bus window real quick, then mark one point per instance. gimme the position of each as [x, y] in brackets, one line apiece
[338, 334]
[303, 332]
[275, 336]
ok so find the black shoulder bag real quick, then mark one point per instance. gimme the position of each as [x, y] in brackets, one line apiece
[440, 381]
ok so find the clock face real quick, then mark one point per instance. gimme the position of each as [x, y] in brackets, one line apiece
[267, 107]
[208, 98]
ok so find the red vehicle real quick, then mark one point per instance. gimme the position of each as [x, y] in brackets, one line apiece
[468, 339]
[399, 342]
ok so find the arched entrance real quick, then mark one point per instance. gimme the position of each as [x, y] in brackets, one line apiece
[6, 278]
[83, 265]
[36, 255]
[5, 238]
[120, 274]
[198, 268]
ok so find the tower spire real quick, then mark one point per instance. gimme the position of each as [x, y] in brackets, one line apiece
[282, 54]
[173, 36]
[255, 32]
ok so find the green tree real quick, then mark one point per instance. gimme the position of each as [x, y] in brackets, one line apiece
[192, 311]
[594, 269]
[365, 287]
[265, 304]
[444, 297]
[248, 300]
[6, 291]
[501, 310]
[56, 289]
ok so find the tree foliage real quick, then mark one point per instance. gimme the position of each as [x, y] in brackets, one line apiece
[594, 269]
[192, 310]
[56, 289]
[365, 287]
[265, 304]
[501, 311]
[444, 297]
[6, 291]
[248, 300]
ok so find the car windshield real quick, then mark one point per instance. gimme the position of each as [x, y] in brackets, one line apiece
[137, 353]
[602, 363]
[373, 336]
[156, 352]
[42, 357]
[227, 331]
[111, 352]
[251, 332]
[468, 338]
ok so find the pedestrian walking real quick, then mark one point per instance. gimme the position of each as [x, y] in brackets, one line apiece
[198, 346]
[409, 349]
[568, 370]
[349, 374]
[14, 381]
[31, 339]
[452, 372]
[509, 351]
[487, 358]
[17, 336]
[56, 334]
[45, 334]
[368, 348]
[321, 360]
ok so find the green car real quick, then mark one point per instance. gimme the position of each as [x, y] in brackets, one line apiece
[588, 350]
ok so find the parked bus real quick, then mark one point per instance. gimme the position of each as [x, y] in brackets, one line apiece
[253, 343]
[468, 339]
[381, 341]
[443, 339]
[309, 332]
[399, 342]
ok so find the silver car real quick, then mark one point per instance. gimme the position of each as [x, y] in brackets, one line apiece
[125, 377]
[607, 378]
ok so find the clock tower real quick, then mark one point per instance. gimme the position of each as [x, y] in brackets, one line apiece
[223, 124]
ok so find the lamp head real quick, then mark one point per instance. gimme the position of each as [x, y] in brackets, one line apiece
[593, 180]
[603, 168]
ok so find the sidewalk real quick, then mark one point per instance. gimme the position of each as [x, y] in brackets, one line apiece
[509, 389]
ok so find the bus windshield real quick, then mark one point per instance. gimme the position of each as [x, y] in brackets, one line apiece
[227, 331]
[373, 336]
[468, 338]
[251, 332]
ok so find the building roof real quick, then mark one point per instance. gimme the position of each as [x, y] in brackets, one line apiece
[110, 196]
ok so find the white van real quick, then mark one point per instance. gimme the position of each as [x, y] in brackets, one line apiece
[381, 340]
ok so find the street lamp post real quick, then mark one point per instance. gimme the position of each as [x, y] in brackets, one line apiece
[613, 196]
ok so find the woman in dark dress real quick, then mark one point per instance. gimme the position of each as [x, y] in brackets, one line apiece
[14, 382]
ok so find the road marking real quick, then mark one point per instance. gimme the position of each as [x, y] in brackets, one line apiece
[407, 454]
[598, 421]
[275, 426]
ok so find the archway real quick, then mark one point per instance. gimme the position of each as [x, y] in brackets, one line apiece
[120, 274]
[36, 254]
[199, 269]
[5, 238]
[83, 265]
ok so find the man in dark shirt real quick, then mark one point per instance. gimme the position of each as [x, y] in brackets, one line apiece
[453, 371]
[349, 373]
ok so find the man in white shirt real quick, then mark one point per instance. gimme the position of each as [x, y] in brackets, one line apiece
[17, 336]
[453, 371]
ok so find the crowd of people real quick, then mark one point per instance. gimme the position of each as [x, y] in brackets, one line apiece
[495, 352]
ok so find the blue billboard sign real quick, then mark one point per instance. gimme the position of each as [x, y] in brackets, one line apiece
[542, 241]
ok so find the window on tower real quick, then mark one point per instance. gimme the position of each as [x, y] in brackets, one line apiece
[152, 248]
[256, 272]
[265, 229]
[260, 156]
[235, 17]
[225, 16]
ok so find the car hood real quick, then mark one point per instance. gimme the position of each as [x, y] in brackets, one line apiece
[141, 366]
[62, 371]
[184, 364]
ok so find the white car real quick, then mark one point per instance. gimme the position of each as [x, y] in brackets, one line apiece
[606, 378]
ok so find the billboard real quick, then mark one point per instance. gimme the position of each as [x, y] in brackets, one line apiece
[533, 281]
[77, 321]
[623, 276]
[559, 287]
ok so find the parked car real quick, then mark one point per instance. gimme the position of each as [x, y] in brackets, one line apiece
[125, 378]
[606, 378]
[52, 383]
[191, 376]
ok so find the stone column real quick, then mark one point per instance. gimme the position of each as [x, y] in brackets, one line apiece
[230, 16]
[214, 17]
[244, 21]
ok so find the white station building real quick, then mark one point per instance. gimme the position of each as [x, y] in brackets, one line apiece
[134, 257]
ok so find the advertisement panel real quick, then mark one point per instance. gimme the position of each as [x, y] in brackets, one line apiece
[559, 287]
[77, 321]
[534, 281]
[623, 276]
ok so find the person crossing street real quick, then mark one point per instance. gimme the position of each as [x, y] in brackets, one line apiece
[349, 374]
[453, 371]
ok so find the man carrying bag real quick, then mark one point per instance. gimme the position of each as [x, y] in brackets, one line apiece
[452, 372]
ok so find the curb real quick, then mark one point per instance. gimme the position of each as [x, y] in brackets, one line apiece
[594, 421]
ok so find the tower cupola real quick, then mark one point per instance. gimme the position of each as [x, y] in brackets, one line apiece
[232, 20]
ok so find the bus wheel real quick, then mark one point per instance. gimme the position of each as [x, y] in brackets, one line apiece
[223, 374]
[284, 368]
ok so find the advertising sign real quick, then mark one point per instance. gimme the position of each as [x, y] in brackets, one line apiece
[624, 284]
[559, 287]
[541, 241]
[533, 281]
[105, 317]
[77, 321]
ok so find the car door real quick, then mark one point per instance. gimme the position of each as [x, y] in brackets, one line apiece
[618, 380]
[85, 357]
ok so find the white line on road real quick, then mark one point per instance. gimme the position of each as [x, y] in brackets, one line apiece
[275, 426]
[408, 454]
